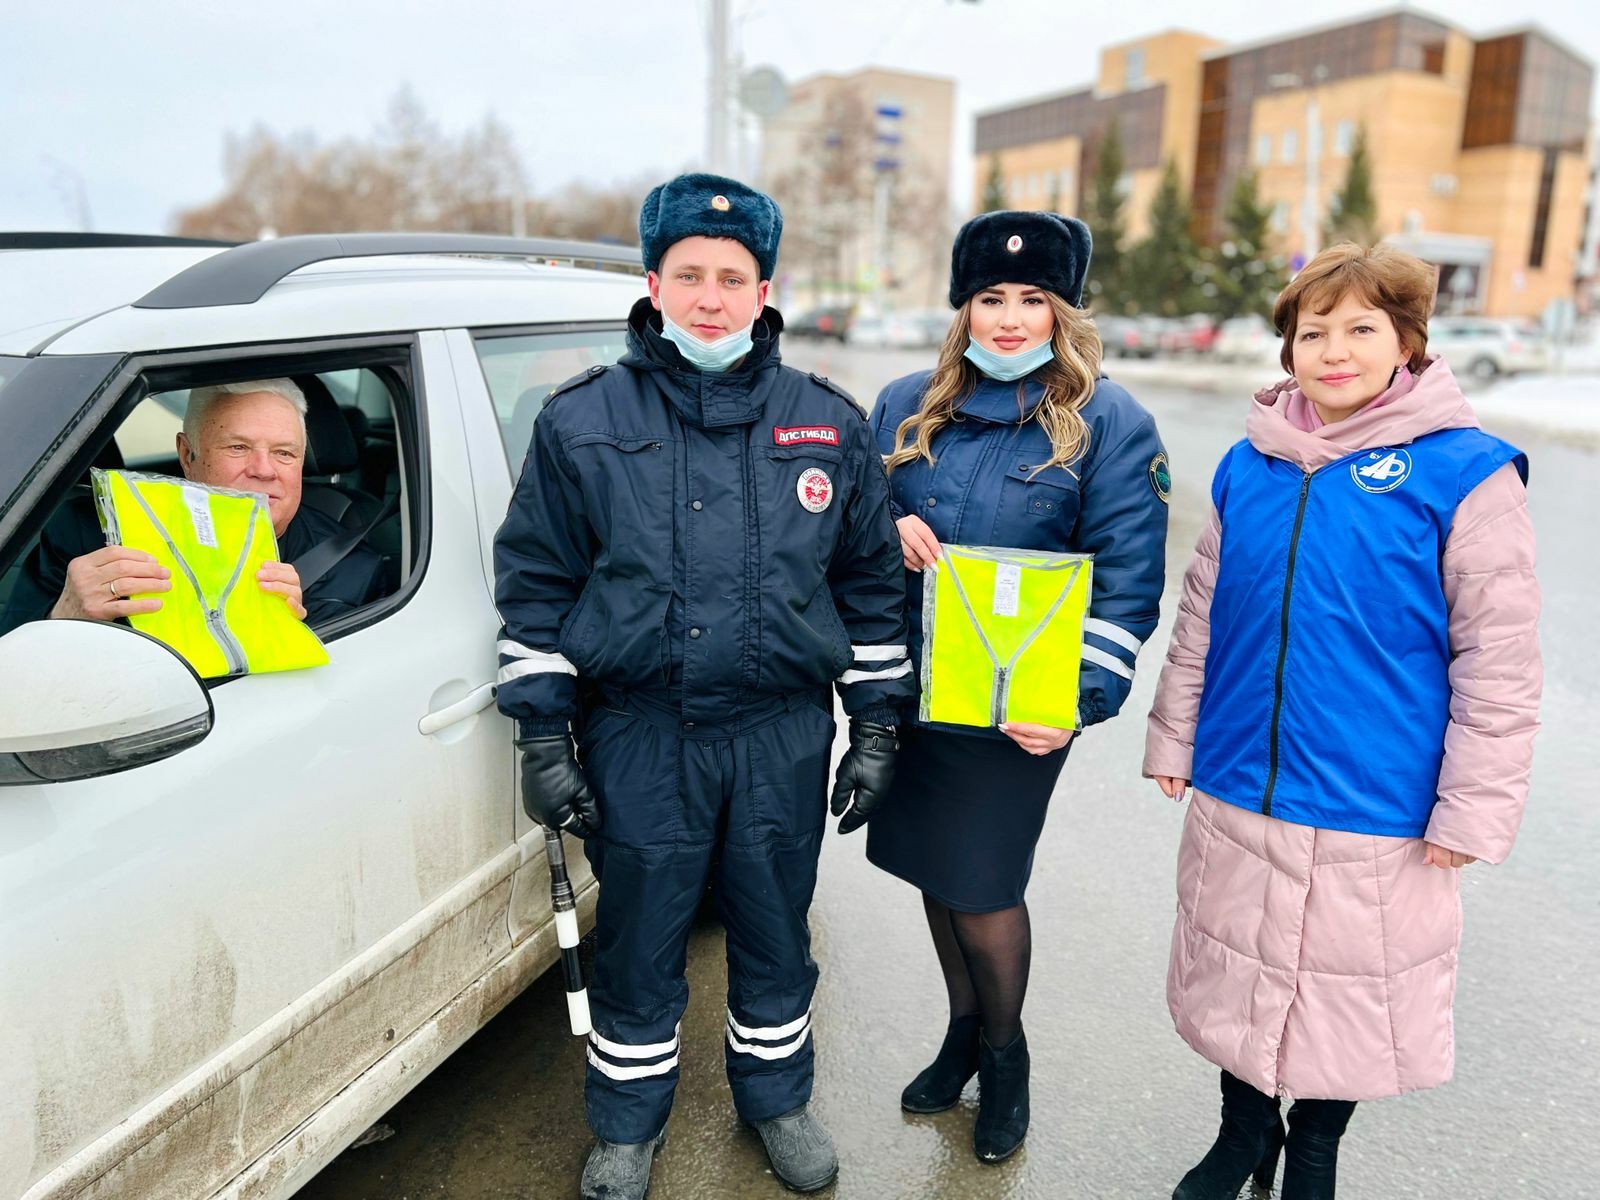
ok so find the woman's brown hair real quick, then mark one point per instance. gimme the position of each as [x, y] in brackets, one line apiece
[1068, 379]
[1382, 277]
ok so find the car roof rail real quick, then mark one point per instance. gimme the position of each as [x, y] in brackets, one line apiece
[245, 273]
[72, 240]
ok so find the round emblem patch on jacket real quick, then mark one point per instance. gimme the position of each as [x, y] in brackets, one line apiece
[1161, 477]
[815, 489]
[1381, 470]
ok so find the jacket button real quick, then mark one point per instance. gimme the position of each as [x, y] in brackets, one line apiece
[694, 633]
[933, 501]
[697, 506]
[1024, 467]
[688, 724]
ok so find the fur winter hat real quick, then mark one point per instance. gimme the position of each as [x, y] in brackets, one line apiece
[1039, 249]
[710, 206]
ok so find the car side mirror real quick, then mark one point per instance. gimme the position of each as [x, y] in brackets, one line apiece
[86, 698]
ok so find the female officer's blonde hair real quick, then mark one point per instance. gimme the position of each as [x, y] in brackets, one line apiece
[1068, 379]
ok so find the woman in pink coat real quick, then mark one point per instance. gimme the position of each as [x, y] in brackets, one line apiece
[1352, 689]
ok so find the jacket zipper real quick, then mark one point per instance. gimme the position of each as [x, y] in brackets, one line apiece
[1283, 646]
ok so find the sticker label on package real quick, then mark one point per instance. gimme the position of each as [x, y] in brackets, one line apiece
[1007, 589]
[200, 516]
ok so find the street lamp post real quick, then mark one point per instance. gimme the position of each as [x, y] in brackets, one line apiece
[1310, 222]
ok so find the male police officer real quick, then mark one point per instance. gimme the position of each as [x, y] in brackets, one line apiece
[700, 544]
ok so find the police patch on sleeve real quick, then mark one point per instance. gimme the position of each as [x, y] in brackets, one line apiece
[1161, 477]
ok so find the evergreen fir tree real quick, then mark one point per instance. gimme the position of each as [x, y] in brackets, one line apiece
[994, 189]
[1245, 274]
[1354, 215]
[1106, 290]
[1163, 273]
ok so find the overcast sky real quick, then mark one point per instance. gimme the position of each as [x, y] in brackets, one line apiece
[127, 105]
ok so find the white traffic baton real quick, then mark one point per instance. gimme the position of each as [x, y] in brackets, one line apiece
[566, 911]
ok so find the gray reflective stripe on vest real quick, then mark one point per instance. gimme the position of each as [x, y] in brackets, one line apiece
[216, 623]
[1002, 671]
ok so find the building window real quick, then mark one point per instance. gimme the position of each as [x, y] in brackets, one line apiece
[1344, 138]
[1135, 65]
[1291, 146]
[1263, 149]
[1280, 217]
[1541, 211]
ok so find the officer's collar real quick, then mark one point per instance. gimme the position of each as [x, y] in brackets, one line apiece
[712, 401]
[997, 401]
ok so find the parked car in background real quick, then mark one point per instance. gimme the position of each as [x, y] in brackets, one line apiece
[1484, 348]
[1129, 337]
[1247, 339]
[241, 918]
[897, 331]
[1193, 334]
[829, 322]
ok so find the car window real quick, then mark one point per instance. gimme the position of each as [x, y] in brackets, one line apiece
[521, 369]
[359, 474]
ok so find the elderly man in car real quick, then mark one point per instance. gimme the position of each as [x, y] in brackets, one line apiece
[246, 436]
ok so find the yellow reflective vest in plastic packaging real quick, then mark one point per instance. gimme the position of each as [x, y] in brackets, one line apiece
[212, 540]
[1003, 636]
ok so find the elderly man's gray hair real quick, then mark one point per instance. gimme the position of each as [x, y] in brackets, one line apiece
[201, 399]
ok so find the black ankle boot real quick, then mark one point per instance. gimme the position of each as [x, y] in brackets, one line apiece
[1002, 1099]
[1311, 1157]
[1247, 1145]
[939, 1085]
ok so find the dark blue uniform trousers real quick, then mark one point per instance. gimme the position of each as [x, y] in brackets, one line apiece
[749, 795]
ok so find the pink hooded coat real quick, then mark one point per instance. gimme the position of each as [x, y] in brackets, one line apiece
[1320, 964]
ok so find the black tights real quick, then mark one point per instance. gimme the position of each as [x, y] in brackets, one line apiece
[984, 957]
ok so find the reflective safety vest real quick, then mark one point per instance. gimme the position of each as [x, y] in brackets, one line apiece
[1004, 636]
[212, 540]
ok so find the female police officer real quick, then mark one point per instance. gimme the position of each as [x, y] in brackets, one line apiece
[701, 540]
[1015, 440]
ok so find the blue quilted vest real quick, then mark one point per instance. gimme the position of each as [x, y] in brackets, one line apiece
[1326, 689]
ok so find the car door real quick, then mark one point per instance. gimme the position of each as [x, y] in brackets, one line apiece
[202, 952]
[503, 377]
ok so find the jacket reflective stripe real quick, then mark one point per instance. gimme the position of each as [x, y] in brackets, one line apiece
[1112, 633]
[891, 673]
[1109, 661]
[877, 653]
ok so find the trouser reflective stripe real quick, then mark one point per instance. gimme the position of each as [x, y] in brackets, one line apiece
[755, 802]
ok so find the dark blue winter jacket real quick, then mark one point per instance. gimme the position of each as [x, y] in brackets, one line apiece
[985, 489]
[718, 541]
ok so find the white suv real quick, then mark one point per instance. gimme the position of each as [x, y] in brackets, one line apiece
[240, 920]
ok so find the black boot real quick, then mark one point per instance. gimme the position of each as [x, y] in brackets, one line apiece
[1002, 1099]
[1247, 1144]
[1312, 1151]
[939, 1085]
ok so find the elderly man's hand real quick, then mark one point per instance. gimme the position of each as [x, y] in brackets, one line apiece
[112, 583]
[285, 581]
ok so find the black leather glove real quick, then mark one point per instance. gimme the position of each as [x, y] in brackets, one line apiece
[554, 791]
[864, 773]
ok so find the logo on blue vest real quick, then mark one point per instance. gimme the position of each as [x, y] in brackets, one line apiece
[1381, 470]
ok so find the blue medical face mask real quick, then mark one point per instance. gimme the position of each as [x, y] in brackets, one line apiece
[714, 357]
[1006, 367]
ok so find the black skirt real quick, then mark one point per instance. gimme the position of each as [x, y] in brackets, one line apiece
[963, 816]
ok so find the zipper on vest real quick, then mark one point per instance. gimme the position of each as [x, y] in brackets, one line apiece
[1283, 646]
[223, 636]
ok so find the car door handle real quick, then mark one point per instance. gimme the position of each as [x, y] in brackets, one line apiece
[475, 701]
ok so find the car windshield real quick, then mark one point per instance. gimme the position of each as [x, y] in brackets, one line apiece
[9, 368]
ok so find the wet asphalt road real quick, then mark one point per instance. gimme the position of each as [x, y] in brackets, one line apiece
[1121, 1107]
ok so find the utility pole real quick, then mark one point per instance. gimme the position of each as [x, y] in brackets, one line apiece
[1310, 216]
[717, 91]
